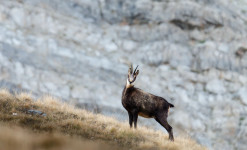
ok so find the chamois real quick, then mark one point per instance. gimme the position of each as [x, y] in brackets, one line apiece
[138, 102]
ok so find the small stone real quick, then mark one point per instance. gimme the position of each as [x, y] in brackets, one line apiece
[36, 112]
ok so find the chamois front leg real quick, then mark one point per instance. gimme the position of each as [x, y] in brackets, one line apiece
[135, 117]
[130, 119]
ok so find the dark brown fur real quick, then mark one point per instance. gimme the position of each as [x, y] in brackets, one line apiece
[138, 102]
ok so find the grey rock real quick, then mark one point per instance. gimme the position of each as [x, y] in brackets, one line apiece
[18, 16]
[242, 93]
[181, 116]
[216, 86]
[192, 53]
[129, 45]
[204, 140]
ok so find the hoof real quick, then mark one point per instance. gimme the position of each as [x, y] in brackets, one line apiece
[171, 139]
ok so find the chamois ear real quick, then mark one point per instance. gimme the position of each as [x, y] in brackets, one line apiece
[137, 72]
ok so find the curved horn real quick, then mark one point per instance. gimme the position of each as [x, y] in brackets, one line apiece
[135, 69]
[131, 68]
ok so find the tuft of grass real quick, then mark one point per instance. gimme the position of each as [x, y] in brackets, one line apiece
[70, 122]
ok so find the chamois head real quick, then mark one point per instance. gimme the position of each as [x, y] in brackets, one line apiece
[132, 75]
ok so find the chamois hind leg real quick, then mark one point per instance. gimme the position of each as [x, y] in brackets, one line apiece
[162, 119]
[130, 119]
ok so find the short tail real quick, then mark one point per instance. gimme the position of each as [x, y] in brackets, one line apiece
[171, 105]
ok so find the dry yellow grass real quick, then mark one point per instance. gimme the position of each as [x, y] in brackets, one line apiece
[17, 138]
[64, 122]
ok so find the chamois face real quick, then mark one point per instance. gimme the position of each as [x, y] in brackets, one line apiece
[132, 76]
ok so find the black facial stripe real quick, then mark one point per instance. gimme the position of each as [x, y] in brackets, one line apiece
[132, 80]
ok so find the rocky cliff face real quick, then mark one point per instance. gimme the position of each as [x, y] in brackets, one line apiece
[192, 53]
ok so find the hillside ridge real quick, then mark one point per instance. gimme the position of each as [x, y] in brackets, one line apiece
[62, 123]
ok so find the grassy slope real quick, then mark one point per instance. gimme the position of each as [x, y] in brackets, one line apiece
[66, 127]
